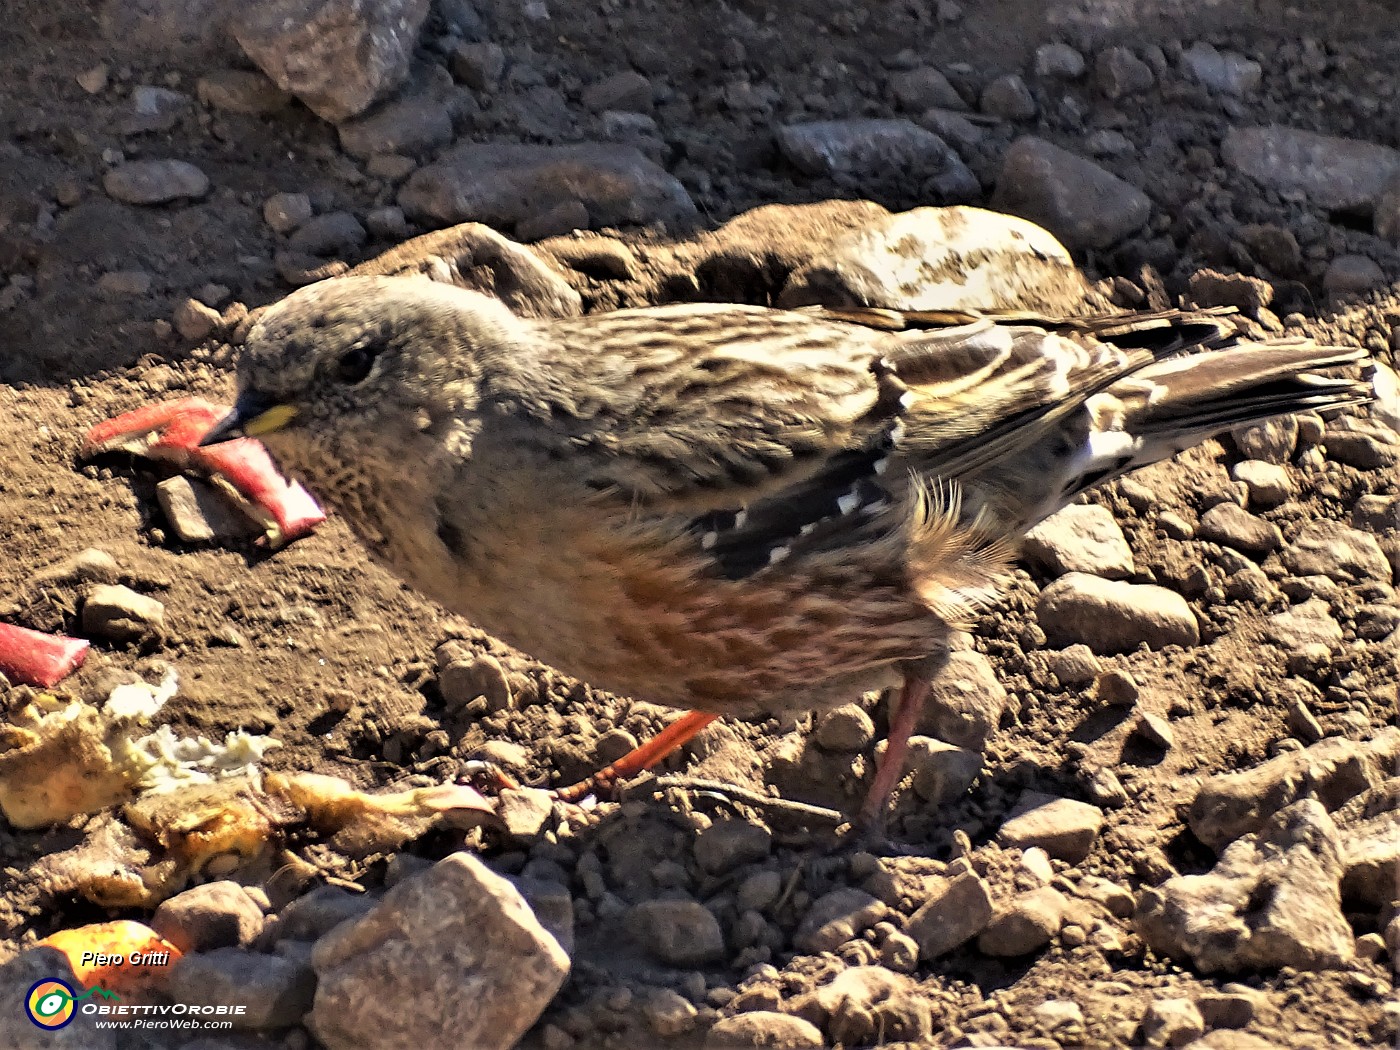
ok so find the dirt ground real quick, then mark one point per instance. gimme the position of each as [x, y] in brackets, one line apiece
[326, 651]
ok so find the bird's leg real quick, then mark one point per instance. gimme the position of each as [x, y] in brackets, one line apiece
[911, 701]
[641, 758]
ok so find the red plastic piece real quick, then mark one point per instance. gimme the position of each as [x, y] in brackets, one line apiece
[34, 658]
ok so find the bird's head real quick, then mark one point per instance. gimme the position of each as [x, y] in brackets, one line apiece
[354, 361]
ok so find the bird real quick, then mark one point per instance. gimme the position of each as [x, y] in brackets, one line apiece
[728, 509]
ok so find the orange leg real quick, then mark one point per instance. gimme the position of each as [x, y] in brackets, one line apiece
[911, 701]
[640, 758]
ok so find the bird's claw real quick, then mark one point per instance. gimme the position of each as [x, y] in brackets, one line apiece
[171, 430]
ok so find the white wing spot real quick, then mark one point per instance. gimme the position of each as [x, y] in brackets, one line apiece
[709, 540]
[906, 399]
[882, 464]
[897, 432]
[847, 503]
[777, 554]
[740, 518]
[807, 529]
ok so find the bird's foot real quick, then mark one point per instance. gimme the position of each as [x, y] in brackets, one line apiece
[171, 431]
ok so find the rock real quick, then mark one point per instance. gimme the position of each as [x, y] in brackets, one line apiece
[1226, 1009]
[835, 918]
[1075, 666]
[758, 890]
[1172, 1022]
[942, 772]
[18, 977]
[414, 126]
[457, 941]
[1370, 832]
[1376, 513]
[155, 182]
[464, 678]
[1230, 525]
[215, 915]
[94, 81]
[1061, 1016]
[563, 218]
[553, 906]
[1062, 827]
[274, 991]
[1274, 246]
[1335, 174]
[1223, 71]
[845, 729]
[479, 65]
[1308, 624]
[338, 56]
[1155, 730]
[284, 212]
[1329, 548]
[1271, 901]
[865, 1006]
[1027, 925]
[729, 844]
[1352, 275]
[390, 167]
[194, 321]
[1058, 61]
[120, 614]
[1333, 770]
[1076, 200]
[763, 1028]
[865, 148]
[667, 1014]
[330, 235]
[241, 91]
[1080, 538]
[525, 812]
[320, 911]
[387, 223]
[199, 513]
[681, 933]
[124, 284]
[1386, 408]
[1272, 441]
[955, 911]
[1009, 98]
[965, 701]
[1110, 616]
[153, 109]
[956, 258]
[1362, 445]
[503, 184]
[1268, 483]
[924, 88]
[1119, 72]
[1247, 294]
[628, 90]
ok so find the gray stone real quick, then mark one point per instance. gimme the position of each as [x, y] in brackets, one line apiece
[284, 212]
[1272, 900]
[124, 284]
[459, 943]
[274, 991]
[1370, 831]
[1058, 61]
[965, 701]
[479, 65]
[845, 729]
[153, 109]
[1329, 548]
[1155, 730]
[215, 915]
[1376, 513]
[1333, 173]
[628, 90]
[155, 182]
[866, 1006]
[387, 223]
[18, 975]
[1076, 200]
[1226, 1009]
[758, 890]
[320, 911]
[525, 812]
[667, 1014]
[729, 844]
[1080, 538]
[1333, 771]
[1272, 441]
[681, 933]
[1362, 444]
[1386, 408]
[1311, 623]
[837, 917]
[1119, 72]
[1027, 925]
[925, 88]
[194, 320]
[1247, 294]
[241, 91]
[1064, 828]
[1230, 525]
[1110, 616]
[1172, 1022]
[1075, 666]
[1108, 143]
[955, 911]
[465, 676]
[333, 234]
[1009, 98]
[414, 126]
[1224, 71]
[199, 513]
[942, 772]
[338, 56]
[1352, 275]
[1269, 484]
[503, 184]
[121, 614]
[553, 906]
[763, 1028]
[864, 148]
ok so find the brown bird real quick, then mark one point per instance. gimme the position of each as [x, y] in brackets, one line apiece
[730, 509]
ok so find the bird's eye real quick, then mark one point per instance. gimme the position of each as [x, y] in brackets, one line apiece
[354, 365]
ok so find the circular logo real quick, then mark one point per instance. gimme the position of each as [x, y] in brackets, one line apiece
[49, 1003]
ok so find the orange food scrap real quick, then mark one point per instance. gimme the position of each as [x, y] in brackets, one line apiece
[123, 956]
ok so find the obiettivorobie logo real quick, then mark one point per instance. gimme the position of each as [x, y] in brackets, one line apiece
[51, 1003]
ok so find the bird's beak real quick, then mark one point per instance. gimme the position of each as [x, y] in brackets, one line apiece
[253, 416]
